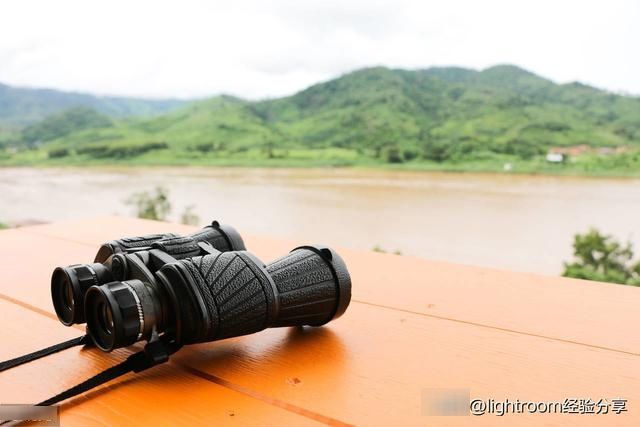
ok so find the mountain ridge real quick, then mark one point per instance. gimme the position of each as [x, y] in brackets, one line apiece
[21, 106]
[376, 115]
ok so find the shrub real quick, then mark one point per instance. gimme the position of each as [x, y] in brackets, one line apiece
[205, 147]
[523, 148]
[58, 152]
[410, 154]
[121, 151]
[94, 150]
[189, 217]
[601, 257]
[435, 150]
[392, 154]
[150, 205]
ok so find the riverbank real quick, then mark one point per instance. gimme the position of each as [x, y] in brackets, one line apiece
[627, 166]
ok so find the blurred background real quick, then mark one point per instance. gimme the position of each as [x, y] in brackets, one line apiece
[496, 133]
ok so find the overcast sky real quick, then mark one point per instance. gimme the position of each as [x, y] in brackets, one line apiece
[256, 49]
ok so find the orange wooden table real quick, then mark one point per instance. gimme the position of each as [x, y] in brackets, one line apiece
[413, 325]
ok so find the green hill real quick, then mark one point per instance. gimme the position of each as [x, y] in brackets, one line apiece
[60, 125]
[23, 106]
[438, 118]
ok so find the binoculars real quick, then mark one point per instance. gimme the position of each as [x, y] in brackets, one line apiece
[70, 284]
[197, 288]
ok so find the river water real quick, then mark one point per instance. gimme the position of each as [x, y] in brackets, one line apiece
[515, 222]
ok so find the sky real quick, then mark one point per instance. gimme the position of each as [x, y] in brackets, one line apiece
[259, 49]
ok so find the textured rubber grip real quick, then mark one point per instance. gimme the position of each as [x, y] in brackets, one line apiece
[187, 246]
[237, 296]
[128, 244]
[307, 287]
[221, 236]
[233, 293]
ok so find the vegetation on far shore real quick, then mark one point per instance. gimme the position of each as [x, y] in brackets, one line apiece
[440, 119]
[603, 258]
[627, 165]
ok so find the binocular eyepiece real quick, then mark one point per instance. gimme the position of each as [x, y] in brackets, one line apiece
[70, 284]
[121, 313]
[220, 295]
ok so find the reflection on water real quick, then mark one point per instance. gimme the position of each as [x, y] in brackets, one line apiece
[516, 222]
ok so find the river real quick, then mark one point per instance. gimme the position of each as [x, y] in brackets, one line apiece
[523, 223]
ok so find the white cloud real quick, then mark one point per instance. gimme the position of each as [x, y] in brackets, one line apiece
[257, 49]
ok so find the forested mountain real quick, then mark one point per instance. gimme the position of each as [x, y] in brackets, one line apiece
[383, 115]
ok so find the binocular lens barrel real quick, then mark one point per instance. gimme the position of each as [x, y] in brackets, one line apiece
[220, 296]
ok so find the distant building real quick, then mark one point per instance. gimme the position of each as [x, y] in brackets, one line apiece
[574, 151]
[555, 157]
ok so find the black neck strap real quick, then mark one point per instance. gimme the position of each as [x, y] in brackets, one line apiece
[154, 353]
[12, 363]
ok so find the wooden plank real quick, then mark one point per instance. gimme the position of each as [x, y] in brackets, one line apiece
[164, 395]
[598, 314]
[371, 366]
[28, 261]
[521, 302]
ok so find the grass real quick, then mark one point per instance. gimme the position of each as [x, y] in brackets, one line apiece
[595, 166]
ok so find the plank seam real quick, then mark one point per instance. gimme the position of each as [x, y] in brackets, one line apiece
[498, 328]
[262, 397]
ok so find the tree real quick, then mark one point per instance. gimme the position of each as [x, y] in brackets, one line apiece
[522, 148]
[601, 257]
[58, 152]
[267, 147]
[392, 154]
[151, 205]
[435, 150]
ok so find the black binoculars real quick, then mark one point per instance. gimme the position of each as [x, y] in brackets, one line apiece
[70, 284]
[197, 288]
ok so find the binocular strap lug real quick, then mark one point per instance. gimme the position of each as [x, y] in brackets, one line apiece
[156, 351]
[207, 248]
